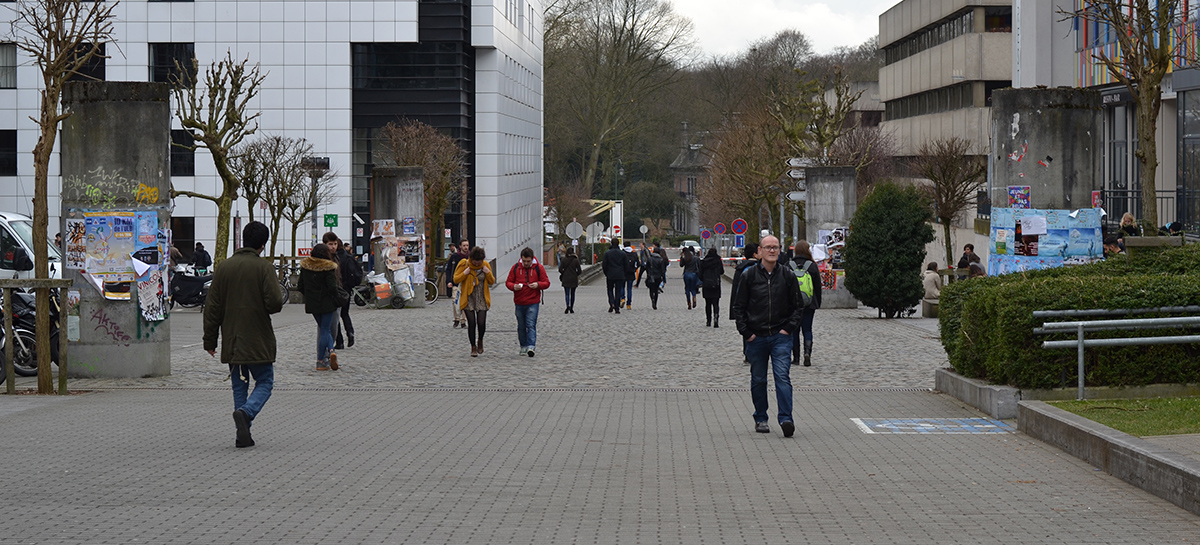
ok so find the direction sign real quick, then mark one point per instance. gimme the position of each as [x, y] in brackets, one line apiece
[796, 174]
[719, 228]
[797, 195]
[739, 226]
[799, 162]
[739, 241]
[574, 229]
[706, 234]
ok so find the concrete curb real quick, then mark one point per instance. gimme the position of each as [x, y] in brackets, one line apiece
[997, 401]
[1157, 470]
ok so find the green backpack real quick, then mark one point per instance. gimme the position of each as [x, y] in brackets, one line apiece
[805, 280]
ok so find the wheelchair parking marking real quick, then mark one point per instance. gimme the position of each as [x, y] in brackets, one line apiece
[919, 426]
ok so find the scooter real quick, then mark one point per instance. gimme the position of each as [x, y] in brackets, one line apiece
[24, 311]
[189, 291]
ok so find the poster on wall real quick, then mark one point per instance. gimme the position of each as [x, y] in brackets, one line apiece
[151, 292]
[75, 244]
[1030, 239]
[383, 228]
[393, 258]
[73, 315]
[1018, 196]
[413, 250]
[409, 225]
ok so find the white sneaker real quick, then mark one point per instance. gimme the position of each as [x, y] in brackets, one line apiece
[521, 351]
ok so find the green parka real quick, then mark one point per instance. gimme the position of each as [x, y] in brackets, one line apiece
[319, 284]
[244, 295]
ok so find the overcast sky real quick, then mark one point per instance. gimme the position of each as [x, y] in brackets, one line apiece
[729, 26]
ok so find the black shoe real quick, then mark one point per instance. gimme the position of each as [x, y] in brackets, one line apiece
[788, 428]
[242, 421]
[610, 309]
[808, 360]
[572, 310]
[708, 323]
[530, 353]
[762, 427]
[715, 325]
[567, 310]
[618, 311]
[350, 340]
[339, 346]
[654, 305]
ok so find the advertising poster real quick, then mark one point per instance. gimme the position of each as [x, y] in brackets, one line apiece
[73, 315]
[413, 250]
[1018, 196]
[1030, 239]
[109, 241]
[75, 242]
[151, 293]
[409, 225]
[383, 228]
[392, 256]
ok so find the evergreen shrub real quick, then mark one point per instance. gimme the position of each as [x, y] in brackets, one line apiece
[885, 250]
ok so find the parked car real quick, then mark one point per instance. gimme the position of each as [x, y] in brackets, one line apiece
[695, 246]
[16, 248]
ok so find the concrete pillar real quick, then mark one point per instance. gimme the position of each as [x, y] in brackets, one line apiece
[1049, 140]
[832, 201]
[115, 158]
[398, 193]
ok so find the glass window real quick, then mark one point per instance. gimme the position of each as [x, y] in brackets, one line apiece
[183, 160]
[997, 19]
[8, 66]
[93, 69]
[24, 229]
[163, 59]
[8, 153]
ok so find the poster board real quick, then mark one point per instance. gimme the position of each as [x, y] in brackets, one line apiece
[1024, 239]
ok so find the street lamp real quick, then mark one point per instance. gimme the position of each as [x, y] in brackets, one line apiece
[316, 168]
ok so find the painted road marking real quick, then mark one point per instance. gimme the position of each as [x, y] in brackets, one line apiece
[932, 425]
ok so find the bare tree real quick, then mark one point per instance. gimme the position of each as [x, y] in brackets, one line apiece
[565, 201]
[871, 152]
[299, 187]
[748, 164]
[412, 143]
[246, 162]
[956, 177]
[270, 170]
[216, 117]
[61, 36]
[1143, 30]
[810, 123]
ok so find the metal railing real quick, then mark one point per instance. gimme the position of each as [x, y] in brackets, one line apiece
[1082, 327]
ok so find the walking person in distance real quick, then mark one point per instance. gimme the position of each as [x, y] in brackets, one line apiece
[768, 308]
[319, 283]
[711, 269]
[656, 275]
[350, 275]
[474, 279]
[568, 275]
[614, 275]
[811, 286]
[632, 265]
[527, 279]
[460, 253]
[243, 296]
[691, 276]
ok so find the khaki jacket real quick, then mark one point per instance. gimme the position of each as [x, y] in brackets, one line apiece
[244, 293]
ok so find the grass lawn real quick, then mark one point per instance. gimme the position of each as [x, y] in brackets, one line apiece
[1141, 417]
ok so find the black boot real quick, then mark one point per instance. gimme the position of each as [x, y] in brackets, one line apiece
[808, 354]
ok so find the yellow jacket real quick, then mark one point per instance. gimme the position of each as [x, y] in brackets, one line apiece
[466, 282]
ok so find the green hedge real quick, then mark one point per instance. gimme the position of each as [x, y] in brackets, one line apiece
[987, 323]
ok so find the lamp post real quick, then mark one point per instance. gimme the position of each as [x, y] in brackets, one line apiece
[617, 172]
[316, 168]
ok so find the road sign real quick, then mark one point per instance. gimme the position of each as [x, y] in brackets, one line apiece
[796, 174]
[739, 241]
[706, 234]
[616, 230]
[797, 195]
[644, 229]
[739, 226]
[719, 228]
[595, 230]
[330, 220]
[799, 162]
[574, 229]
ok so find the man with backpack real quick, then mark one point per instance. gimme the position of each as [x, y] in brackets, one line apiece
[350, 276]
[526, 280]
[809, 277]
[632, 265]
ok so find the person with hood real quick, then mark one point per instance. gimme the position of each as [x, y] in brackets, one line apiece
[319, 284]
[526, 280]
[244, 295]
[711, 269]
[614, 274]
[568, 275]
[460, 253]
[632, 265]
[691, 276]
[749, 257]
[201, 261]
[474, 278]
[656, 274]
[805, 264]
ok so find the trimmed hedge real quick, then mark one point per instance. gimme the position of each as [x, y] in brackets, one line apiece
[987, 323]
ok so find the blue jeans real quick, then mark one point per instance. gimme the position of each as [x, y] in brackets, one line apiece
[527, 325]
[778, 350]
[324, 336]
[570, 295]
[264, 381]
[691, 284]
[806, 321]
[629, 291]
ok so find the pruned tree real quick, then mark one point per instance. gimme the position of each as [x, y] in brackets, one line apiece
[1143, 30]
[955, 177]
[565, 203]
[413, 143]
[270, 168]
[302, 185]
[810, 122]
[215, 115]
[61, 36]
[246, 162]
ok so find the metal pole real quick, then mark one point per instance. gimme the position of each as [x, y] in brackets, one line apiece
[9, 372]
[62, 343]
[1079, 396]
[315, 207]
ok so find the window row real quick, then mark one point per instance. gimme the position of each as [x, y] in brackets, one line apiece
[183, 160]
[931, 102]
[995, 19]
[163, 63]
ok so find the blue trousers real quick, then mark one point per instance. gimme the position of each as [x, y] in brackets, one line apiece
[264, 382]
[527, 325]
[777, 351]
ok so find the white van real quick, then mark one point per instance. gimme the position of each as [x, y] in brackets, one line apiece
[16, 248]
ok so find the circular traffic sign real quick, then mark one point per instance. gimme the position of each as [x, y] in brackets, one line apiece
[739, 226]
[574, 229]
[617, 230]
[644, 229]
[719, 228]
[705, 234]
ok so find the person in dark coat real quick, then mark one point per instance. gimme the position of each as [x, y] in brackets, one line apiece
[656, 275]
[201, 261]
[691, 276]
[460, 253]
[318, 283]
[351, 275]
[632, 265]
[711, 269]
[244, 295]
[614, 273]
[804, 264]
[750, 257]
[568, 274]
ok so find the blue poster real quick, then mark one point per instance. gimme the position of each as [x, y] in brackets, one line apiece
[1071, 238]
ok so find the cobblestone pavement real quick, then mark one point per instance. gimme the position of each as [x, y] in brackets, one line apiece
[640, 348]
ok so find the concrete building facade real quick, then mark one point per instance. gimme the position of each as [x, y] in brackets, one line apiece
[336, 72]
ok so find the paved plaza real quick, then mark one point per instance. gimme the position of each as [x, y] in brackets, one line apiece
[623, 429]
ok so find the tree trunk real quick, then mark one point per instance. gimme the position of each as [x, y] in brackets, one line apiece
[589, 173]
[41, 161]
[274, 232]
[1150, 104]
[294, 227]
[949, 245]
[224, 212]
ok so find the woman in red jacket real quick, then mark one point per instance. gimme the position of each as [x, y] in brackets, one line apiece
[527, 279]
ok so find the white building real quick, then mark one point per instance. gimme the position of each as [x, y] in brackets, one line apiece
[336, 71]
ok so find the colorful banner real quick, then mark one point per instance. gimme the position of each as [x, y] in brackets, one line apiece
[1018, 196]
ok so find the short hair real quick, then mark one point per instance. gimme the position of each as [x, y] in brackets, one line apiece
[477, 254]
[321, 251]
[199, 244]
[969, 247]
[526, 252]
[460, 243]
[614, 244]
[1110, 240]
[571, 251]
[749, 249]
[255, 235]
[329, 237]
[932, 266]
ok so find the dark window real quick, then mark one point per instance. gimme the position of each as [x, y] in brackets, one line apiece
[93, 69]
[997, 19]
[183, 236]
[163, 58]
[8, 153]
[8, 66]
[438, 65]
[183, 160]
[8, 250]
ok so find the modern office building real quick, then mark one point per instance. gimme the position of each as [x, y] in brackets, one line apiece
[336, 72]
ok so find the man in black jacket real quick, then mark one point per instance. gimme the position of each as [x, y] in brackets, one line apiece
[749, 257]
[768, 308]
[350, 275]
[460, 253]
[614, 272]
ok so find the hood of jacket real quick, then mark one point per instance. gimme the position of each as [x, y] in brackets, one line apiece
[317, 264]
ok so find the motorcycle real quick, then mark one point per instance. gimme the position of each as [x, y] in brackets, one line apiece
[24, 311]
[189, 291]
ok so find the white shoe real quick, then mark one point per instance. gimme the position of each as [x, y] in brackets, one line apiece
[521, 351]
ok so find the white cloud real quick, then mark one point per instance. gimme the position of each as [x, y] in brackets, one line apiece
[725, 27]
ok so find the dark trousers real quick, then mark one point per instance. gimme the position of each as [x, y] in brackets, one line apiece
[805, 333]
[712, 309]
[346, 323]
[616, 291]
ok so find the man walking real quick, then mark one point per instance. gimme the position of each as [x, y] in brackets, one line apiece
[351, 276]
[614, 272]
[767, 308]
[632, 265]
[527, 279]
[244, 293]
[460, 253]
